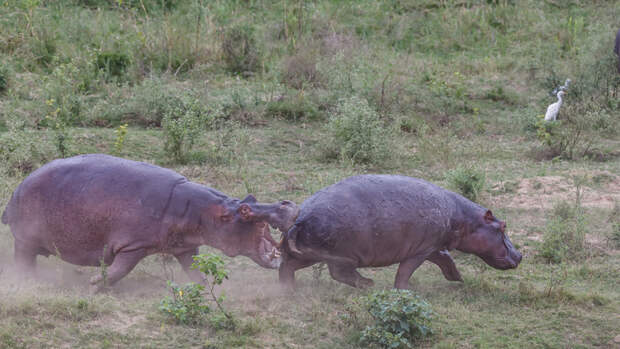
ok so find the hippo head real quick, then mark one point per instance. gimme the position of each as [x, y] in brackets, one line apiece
[487, 239]
[243, 229]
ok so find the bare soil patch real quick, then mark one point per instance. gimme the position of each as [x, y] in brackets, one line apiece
[544, 191]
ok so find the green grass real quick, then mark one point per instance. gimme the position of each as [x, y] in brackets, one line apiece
[458, 84]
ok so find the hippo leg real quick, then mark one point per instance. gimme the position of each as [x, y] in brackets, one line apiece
[287, 270]
[405, 269]
[123, 263]
[348, 275]
[25, 256]
[186, 259]
[446, 264]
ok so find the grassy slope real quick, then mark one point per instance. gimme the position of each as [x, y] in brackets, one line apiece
[280, 159]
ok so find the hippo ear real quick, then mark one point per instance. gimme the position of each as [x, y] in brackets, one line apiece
[488, 216]
[245, 211]
[250, 199]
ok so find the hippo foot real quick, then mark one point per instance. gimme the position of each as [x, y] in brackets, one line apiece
[293, 247]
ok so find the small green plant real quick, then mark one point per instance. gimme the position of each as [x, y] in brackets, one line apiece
[467, 181]
[564, 236]
[400, 319]
[121, 133]
[188, 305]
[356, 134]
[59, 126]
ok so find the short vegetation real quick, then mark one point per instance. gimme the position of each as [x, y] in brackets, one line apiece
[282, 98]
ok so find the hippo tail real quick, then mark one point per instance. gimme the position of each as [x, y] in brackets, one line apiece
[291, 239]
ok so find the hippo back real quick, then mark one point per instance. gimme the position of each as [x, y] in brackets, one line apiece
[370, 210]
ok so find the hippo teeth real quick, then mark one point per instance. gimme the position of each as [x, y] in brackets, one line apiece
[273, 254]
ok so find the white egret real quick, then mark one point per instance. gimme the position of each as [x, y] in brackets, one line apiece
[554, 109]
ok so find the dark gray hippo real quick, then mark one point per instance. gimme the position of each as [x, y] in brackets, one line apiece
[97, 207]
[380, 220]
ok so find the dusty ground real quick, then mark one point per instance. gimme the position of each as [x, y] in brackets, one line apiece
[600, 190]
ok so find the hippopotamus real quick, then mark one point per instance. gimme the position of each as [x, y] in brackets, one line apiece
[380, 220]
[94, 209]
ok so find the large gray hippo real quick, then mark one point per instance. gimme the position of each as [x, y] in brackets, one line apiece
[90, 208]
[379, 220]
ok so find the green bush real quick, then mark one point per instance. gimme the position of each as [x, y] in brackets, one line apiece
[186, 305]
[400, 319]
[356, 134]
[241, 54]
[466, 181]
[182, 125]
[564, 236]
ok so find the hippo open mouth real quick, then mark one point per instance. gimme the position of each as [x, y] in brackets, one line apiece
[269, 253]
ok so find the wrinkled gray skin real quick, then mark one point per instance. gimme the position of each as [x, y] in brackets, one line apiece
[379, 220]
[93, 207]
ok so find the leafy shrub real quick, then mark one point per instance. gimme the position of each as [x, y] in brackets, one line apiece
[564, 236]
[68, 86]
[356, 133]
[55, 121]
[467, 181]
[121, 133]
[113, 64]
[182, 125]
[188, 304]
[400, 319]
[241, 54]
